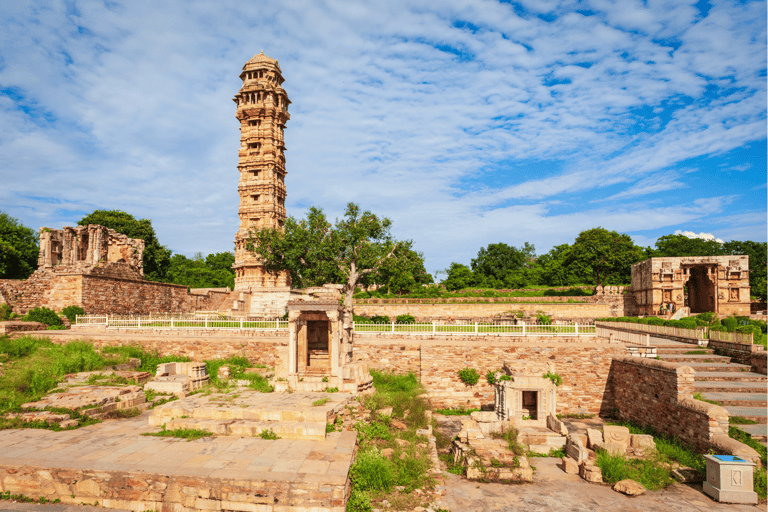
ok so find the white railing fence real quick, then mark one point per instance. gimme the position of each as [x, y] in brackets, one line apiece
[425, 328]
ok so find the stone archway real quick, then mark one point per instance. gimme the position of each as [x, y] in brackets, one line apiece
[701, 289]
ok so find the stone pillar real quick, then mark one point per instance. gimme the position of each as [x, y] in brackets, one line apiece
[44, 256]
[334, 342]
[292, 341]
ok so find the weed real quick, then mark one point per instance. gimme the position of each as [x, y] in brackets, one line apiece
[741, 420]
[453, 467]
[456, 412]
[325, 378]
[268, 434]
[124, 413]
[576, 416]
[510, 435]
[699, 396]
[554, 377]
[469, 376]
[331, 390]
[696, 352]
[190, 434]
[651, 473]
[322, 401]
[557, 453]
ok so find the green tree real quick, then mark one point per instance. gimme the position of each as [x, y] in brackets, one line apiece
[316, 252]
[198, 272]
[157, 258]
[758, 263]
[403, 273]
[459, 277]
[19, 248]
[495, 262]
[681, 245]
[554, 270]
[605, 256]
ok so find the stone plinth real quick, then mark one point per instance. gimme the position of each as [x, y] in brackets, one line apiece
[179, 379]
[729, 479]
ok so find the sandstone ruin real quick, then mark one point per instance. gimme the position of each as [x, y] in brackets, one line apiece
[702, 283]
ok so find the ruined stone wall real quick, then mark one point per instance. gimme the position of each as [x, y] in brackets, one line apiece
[487, 311]
[660, 395]
[584, 366]
[113, 296]
[758, 361]
[738, 352]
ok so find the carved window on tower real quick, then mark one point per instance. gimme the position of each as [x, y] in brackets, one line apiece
[734, 295]
[255, 146]
[255, 122]
[255, 198]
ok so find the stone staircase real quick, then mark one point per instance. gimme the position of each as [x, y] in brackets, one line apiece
[732, 385]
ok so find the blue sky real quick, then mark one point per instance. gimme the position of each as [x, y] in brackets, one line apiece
[465, 122]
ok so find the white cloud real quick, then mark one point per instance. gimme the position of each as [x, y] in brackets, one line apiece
[703, 236]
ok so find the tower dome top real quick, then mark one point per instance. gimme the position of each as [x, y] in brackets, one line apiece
[260, 58]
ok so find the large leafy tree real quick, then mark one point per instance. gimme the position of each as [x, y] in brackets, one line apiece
[403, 273]
[495, 262]
[553, 268]
[605, 256]
[459, 277]
[758, 263]
[213, 271]
[316, 252]
[19, 248]
[157, 258]
[681, 245]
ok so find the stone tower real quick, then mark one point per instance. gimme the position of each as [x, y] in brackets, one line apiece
[262, 109]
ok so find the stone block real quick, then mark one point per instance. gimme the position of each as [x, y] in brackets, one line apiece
[555, 425]
[640, 441]
[574, 448]
[616, 439]
[594, 438]
[629, 487]
[687, 475]
[590, 473]
[570, 466]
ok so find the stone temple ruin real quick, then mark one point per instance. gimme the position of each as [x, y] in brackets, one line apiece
[702, 283]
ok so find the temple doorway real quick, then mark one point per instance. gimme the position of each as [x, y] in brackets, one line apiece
[701, 289]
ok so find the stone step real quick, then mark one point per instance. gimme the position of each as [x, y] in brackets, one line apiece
[716, 367]
[715, 376]
[694, 358]
[745, 399]
[729, 387]
[758, 432]
[682, 351]
[753, 413]
[246, 428]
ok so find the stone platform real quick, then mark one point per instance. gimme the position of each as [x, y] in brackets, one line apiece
[248, 413]
[112, 465]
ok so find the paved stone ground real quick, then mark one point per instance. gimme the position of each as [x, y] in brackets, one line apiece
[117, 445]
[554, 490]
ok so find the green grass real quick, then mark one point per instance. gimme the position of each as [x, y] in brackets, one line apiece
[510, 436]
[576, 416]
[651, 473]
[557, 453]
[268, 434]
[741, 420]
[190, 434]
[322, 401]
[696, 352]
[669, 447]
[699, 396]
[149, 360]
[456, 412]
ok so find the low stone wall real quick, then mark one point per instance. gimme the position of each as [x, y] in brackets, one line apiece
[14, 326]
[487, 311]
[741, 352]
[147, 491]
[200, 347]
[758, 362]
[660, 395]
[583, 364]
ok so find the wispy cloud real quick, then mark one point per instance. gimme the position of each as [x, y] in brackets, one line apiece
[466, 122]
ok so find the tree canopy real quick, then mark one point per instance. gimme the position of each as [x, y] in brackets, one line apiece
[495, 264]
[213, 271]
[605, 256]
[157, 258]
[316, 252]
[19, 248]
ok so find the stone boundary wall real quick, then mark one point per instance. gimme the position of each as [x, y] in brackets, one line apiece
[147, 491]
[20, 326]
[660, 395]
[198, 347]
[758, 362]
[583, 365]
[741, 352]
[485, 312]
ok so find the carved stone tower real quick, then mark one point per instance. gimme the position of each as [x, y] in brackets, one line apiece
[262, 109]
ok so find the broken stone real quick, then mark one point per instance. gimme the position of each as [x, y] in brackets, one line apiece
[687, 475]
[629, 487]
[570, 466]
[387, 411]
[399, 425]
[574, 448]
[594, 438]
[387, 453]
[591, 473]
[642, 442]
[555, 425]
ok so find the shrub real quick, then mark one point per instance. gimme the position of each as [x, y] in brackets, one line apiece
[405, 319]
[5, 312]
[543, 319]
[48, 316]
[554, 377]
[371, 472]
[655, 321]
[380, 319]
[469, 376]
[71, 312]
[361, 319]
[730, 323]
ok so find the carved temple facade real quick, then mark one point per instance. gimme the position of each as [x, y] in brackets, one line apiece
[703, 283]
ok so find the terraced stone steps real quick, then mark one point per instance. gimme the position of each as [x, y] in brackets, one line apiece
[729, 387]
[727, 376]
[246, 428]
[753, 413]
[710, 366]
[695, 358]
